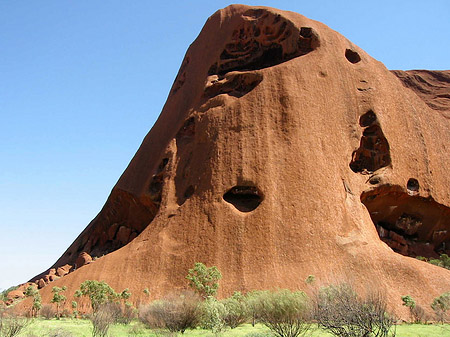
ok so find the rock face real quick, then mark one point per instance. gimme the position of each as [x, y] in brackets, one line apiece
[283, 151]
[431, 86]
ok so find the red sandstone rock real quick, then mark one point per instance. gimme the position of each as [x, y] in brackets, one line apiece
[282, 146]
[123, 234]
[82, 260]
[64, 270]
[112, 230]
[431, 86]
[15, 294]
[41, 283]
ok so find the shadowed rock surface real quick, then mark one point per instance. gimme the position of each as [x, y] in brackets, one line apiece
[283, 151]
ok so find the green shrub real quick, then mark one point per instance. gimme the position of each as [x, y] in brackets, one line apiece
[440, 306]
[286, 313]
[252, 300]
[310, 279]
[237, 311]
[212, 316]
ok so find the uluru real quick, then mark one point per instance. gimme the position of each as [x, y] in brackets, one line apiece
[283, 150]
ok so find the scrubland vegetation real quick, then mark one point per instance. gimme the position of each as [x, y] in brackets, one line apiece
[336, 310]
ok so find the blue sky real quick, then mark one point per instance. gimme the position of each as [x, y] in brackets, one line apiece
[82, 82]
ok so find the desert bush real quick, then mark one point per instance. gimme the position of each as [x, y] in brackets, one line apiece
[47, 311]
[341, 312]
[212, 315]
[286, 313]
[252, 300]
[440, 305]
[175, 313]
[11, 325]
[204, 280]
[101, 320]
[121, 314]
[237, 312]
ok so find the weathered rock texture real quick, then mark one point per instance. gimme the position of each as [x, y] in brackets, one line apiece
[283, 150]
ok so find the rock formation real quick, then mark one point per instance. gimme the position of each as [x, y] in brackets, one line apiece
[283, 150]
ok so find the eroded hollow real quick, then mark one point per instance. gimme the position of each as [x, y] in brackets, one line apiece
[352, 56]
[244, 198]
[410, 225]
[235, 84]
[263, 39]
[373, 152]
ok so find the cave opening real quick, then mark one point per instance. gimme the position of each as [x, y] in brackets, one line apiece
[244, 198]
[409, 224]
[352, 56]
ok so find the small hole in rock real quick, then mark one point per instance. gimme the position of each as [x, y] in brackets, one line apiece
[374, 180]
[413, 185]
[352, 56]
[306, 32]
[244, 198]
[367, 119]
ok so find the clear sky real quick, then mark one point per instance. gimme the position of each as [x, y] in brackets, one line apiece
[82, 82]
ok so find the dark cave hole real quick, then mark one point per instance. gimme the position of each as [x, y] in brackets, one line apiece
[410, 225]
[244, 198]
[352, 56]
[367, 119]
[373, 152]
[412, 186]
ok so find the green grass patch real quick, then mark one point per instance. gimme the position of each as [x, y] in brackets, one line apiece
[83, 328]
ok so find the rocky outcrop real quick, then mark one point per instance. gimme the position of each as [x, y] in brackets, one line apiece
[283, 151]
[432, 86]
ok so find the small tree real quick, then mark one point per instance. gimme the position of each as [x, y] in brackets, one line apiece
[341, 312]
[98, 292]
[416, 311]
[74, 306]
[204, 280]
[37, 300]
[58, 298]
[440, 306]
